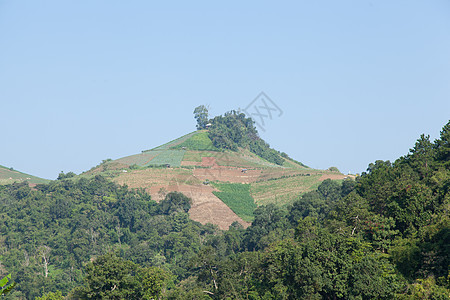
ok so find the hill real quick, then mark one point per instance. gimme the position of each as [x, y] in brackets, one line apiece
[384, 235]
[230, 152]
[9, 175]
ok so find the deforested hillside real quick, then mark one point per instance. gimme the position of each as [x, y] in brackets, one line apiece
[223, 149]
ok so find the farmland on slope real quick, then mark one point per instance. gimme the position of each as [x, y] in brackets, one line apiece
[242, 179]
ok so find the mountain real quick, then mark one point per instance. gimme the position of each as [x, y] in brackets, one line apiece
[9, 175]
[224, 185]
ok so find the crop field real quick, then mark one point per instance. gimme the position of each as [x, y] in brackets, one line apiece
[156, 177]
[227, 158]
[171, 157]
[237, 197]
[199, 141]
[284, 190]
[140, 159]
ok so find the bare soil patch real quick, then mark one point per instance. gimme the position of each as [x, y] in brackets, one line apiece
[233, 175]
[332, 176]
[209, 162]
[206, 207]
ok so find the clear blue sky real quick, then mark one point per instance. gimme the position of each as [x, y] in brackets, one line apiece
[82, 81]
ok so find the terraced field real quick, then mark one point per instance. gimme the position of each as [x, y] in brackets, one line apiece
[170, 157]
[160, 155]
[140, 159]
[225, 186]
[284, 190]
[242, 159]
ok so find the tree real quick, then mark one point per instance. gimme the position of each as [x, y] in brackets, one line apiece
[153, 281]
[6, 285]
[112, 277]
[443, 145]
[51, 296]
[44, 253]
[175, 202]
[62, 176]
[201, 115]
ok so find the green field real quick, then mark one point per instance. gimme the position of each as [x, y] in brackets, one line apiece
[171, 157]
[140, 159]
[199, 141]
[284, 190]
[174, 142]
[237, 197]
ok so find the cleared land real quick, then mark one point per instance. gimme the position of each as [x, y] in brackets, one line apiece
[240, 179]
[284, 190]
[206, 207]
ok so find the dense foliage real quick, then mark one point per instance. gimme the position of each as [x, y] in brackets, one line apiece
[50, 232]
[385, 236]
[233, 130]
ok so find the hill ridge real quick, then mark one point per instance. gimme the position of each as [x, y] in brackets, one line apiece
[9, 175]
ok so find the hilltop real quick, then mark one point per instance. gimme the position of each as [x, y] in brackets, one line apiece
[9, 175]
[226, 173]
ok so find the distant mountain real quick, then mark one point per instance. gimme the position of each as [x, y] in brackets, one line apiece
[9, 175]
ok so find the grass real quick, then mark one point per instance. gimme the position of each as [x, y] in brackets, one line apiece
[228, 158]
[199, 141]
[237, 197]
[174, 142]
[284, 190]
[140, 159]
[171, 157]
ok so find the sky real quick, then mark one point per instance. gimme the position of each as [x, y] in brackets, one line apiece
[353, 81]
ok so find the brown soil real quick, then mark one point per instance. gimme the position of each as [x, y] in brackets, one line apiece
[206, 207]
[209, 162]
[224, 174]
[332, 176]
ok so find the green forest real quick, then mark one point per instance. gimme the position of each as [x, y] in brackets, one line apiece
[385, 235]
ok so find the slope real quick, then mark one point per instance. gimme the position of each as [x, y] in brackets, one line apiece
[190, 163]
[9, 175]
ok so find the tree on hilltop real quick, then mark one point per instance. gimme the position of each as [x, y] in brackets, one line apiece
[201, 114]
